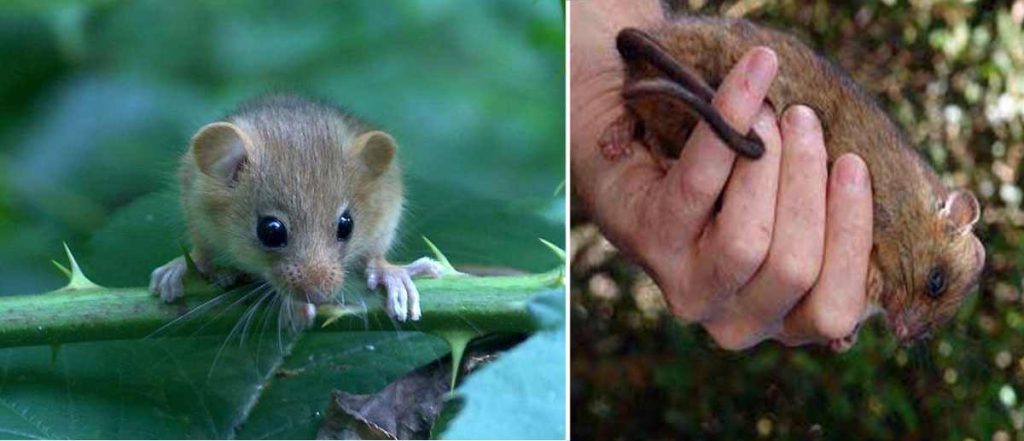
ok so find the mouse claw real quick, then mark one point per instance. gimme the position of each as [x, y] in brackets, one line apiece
[398, 296]
[403, 298]
[167, 281]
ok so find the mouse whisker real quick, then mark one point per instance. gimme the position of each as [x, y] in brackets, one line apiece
[366, 315]
[241, 298]
[248, 317]
[192, 312]
[234, 330]
[272, 307]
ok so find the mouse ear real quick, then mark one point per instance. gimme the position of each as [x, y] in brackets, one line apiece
[220, 150]
[376, 151]
[962, 211]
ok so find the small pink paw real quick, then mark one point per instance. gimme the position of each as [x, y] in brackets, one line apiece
[167, 281]
[615, 141]
[403, 299]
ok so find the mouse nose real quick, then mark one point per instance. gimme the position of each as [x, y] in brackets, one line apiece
[312, 283]
[902, 332]
[899, 328]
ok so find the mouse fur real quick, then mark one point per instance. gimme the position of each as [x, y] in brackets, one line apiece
[922, 231]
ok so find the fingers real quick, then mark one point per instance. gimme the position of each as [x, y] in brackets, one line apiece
[742, 231]
[735, 244]
[836, 304]
[797, 242]
[796, 250]
[705, 163]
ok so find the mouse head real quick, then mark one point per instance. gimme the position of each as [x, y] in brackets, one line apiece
[930, 272]
[288, 203]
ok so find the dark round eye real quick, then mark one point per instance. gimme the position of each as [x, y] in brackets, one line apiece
[271, 232]
[345, 224]
[936, 282]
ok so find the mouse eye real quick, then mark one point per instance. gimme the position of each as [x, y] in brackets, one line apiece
[345, 224]
[936, 282]
[271, 232]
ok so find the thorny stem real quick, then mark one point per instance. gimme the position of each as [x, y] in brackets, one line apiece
[87, 312]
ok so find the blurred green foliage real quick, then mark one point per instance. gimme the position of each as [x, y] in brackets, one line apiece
[952, 74]
[101, 97]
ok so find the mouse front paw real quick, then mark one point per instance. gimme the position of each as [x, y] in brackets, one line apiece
[403, 299]
[168, 281]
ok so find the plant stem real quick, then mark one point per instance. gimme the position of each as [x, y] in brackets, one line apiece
[89, 313]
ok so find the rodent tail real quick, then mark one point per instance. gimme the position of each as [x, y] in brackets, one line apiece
[683, 84]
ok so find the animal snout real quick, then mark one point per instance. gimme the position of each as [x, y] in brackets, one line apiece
[905, 331]
[312, 283]
[901, 330]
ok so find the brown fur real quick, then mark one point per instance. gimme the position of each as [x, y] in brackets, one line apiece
[303, 167]
[911, 233]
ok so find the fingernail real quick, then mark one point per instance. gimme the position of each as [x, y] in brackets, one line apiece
[851, 172]
[761, 67]
[800, 117]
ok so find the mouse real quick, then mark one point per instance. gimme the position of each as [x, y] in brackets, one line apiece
[297, 193]
[925, 258]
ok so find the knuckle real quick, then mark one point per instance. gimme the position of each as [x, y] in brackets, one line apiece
[694, 311]
[794, 274]
[698, 191]
[745, 252]
[833, 325]
[689, 308]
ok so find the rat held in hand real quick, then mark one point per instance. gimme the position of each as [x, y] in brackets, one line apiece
[296, 193]
[925, 259]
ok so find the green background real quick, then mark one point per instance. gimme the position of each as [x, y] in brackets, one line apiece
[952, 74]
[99, 100]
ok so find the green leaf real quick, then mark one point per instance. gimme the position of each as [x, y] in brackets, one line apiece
[536, 368]
[172, 388]
[98, 119]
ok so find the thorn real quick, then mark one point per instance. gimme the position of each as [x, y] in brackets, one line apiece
[559, 189]
[62, 268]
[78, 280]
[448, 268]
[554, 248]
[333, 313]
[457, 341]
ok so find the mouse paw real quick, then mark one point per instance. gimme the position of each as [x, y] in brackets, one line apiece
[224, 279]
[844, 344]
[167, 281]
[615, 141]
[403, 299]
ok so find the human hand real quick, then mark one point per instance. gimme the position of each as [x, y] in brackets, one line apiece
[785, 257]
